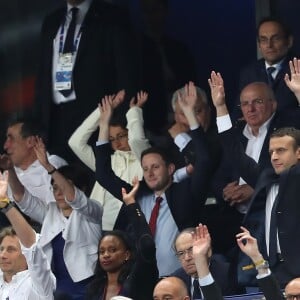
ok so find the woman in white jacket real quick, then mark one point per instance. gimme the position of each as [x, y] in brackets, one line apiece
[128, 142]
[71, 226]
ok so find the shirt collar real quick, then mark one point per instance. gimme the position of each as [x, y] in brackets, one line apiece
[83, 9]
[16, 278]
[247, 132]
[277, 65]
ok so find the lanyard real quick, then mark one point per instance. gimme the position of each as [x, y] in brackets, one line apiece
[61, 38]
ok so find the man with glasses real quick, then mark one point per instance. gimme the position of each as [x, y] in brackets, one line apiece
[219, 269]
[274, 42]
[273, 212]
[261, 117]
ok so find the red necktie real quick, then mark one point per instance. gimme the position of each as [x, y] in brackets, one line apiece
[154, 215]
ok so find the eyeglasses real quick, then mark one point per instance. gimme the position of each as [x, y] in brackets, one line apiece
[292, 297]
[118, 138]
[273, 39]
[255, 102]
[181, 254]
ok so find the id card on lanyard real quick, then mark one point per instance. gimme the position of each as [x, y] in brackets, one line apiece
[64, 67]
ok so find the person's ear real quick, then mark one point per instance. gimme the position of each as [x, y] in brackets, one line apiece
[171, 169]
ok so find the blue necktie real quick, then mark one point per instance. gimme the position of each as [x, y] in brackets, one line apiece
[270, 71]
[197, 291]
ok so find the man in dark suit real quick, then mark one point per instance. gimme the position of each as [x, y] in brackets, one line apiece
[273, 212]
[274, 42]
[261, 118]
[99, 60]
[177, 200]
[193, 249]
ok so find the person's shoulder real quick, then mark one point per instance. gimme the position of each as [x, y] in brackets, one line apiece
[253, 65]
[109, 12]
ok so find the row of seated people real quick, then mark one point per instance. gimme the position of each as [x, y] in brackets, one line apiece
[170, 204]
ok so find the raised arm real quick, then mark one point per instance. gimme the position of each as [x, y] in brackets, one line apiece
[201, 253]
[79, 139]
[43, 280]
[135, 125]
[145, 267]
[64, 184]
[23, 230]
[269, 285]
[217, 90]
[293, 83]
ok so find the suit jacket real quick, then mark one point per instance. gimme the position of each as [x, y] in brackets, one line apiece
[270, 288]
[143, 274]
[233, 141]
[256, 71]
[182, 197]
[104, 64]
[219, 271]
[288, 218]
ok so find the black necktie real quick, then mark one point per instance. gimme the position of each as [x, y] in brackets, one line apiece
[270, 71]
[197, 291]
[69, 43]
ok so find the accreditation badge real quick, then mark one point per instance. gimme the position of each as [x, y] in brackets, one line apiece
[64, 69]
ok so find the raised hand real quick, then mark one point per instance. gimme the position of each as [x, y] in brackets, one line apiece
[248, 244]
[118, 98]
[201, 241]
[106, 109]
[129, 198]
[141, 97]
[40, 152]
[294, 82]
[3, 184]
[217, 90]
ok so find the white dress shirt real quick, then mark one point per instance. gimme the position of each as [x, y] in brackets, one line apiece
[36, 283]
[82, 10]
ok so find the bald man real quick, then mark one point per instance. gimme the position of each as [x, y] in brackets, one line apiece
[292, 289]
[171, 288]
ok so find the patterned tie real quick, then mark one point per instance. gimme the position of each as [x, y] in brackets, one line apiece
[270, 71]
[197, 290]
[154, 215]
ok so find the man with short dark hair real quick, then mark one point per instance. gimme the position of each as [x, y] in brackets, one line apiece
[274, 41]
[172, 204]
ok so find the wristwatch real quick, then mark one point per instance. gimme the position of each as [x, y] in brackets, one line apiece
[8, 205]
[263, 265]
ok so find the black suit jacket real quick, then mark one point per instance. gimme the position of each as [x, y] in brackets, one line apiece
[256, 71]
[287, 212]
[220, 272]
[270, 288]
[105, 63]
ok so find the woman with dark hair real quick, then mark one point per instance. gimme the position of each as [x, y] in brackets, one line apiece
[125, 267]
[71, 226]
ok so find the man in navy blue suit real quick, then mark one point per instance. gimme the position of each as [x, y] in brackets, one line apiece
[274, 42]
[273, 212]
[212, 269]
